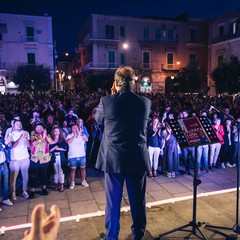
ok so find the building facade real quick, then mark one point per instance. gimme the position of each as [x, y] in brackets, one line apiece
[23, 40]
[224, 41]
[155, 47]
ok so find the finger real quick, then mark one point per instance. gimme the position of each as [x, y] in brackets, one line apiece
[37, 215]
[26, 232]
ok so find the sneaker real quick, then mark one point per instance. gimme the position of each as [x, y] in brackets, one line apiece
[234, 165]
[14, 197]
[85, 184]
[25, 194]
[150, 174]
[169, 175]
[207, 170]
[72, 185]
[223, 165]
[44, 192]
[173, 175]
[0, 209]
[7, 202]
[31, 195]
[229, 165]
[155, 174]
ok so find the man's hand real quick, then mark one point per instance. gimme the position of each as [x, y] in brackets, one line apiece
[113, 89]
[43, 227]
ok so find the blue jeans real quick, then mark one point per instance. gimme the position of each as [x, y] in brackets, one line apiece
[235, 152]
[136, 187]
[202, 152]
[4, 176]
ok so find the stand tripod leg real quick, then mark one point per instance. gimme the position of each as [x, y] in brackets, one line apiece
[182, 228]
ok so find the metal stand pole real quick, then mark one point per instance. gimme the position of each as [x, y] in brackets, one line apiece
[195, 226]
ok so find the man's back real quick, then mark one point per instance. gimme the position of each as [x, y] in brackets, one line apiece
[123, 148]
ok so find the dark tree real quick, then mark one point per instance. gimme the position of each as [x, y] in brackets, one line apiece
[191, 79]
[96, 81]
[33, 78]
[227, 76]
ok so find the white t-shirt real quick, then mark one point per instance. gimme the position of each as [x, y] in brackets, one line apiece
[76, 147]
[20, 151]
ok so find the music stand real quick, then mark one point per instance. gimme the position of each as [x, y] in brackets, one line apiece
[192, 132]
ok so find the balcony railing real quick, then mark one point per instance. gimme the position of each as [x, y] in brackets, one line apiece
[29, 39]
[225, 37]
[140, 66]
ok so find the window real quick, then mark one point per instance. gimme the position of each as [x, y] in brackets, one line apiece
[145, 33]
[158, 33]
[192, 58]
[234, 28]
[109, 31]
[122, 31]
[193, 35]
[170, 35]
[3, 28]
[30, 34]
[220, 61]
[146, 59]
[111, 59]
[170, 60]
[221, 31]
[122, 59]
[31, 58]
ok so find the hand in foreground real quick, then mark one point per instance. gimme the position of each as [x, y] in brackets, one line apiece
[44, 227]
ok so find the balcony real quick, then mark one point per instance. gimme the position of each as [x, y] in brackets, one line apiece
[100, 38]
[154, 67]
[100, 66]
[29, 40]
[225, 37]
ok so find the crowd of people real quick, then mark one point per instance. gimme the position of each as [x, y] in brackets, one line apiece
[55, 134]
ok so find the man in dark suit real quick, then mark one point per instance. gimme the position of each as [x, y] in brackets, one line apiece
[123, 154]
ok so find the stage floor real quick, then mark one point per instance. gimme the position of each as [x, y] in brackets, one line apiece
[169, 205]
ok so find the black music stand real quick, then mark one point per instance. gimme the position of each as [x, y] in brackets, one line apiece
[192, 132]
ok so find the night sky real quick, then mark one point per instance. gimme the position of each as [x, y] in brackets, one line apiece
[69, 16]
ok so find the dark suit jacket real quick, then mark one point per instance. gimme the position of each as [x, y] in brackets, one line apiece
[123, 148]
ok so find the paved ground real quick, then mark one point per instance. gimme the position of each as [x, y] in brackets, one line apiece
[168, 199]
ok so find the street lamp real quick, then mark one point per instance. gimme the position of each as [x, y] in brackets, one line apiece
[125, 45]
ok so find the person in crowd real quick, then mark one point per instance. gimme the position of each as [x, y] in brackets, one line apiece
[44, 226]
[65, 129]
[202, 153]
[3, 123]
[77, 154]
[8, 131]
[95, 138]
[216, 147]
[123, 154]
[40, 158]
[19, 157]
[35, 118]
[155, 142]
[227, 147]
[47, 111]
[188, 153]
[236, 135]
[71, 118]
[50, 123]
[4, 173]
[170, 152]
[58, 150]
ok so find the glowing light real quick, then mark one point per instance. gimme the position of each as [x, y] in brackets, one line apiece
[125, 46]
